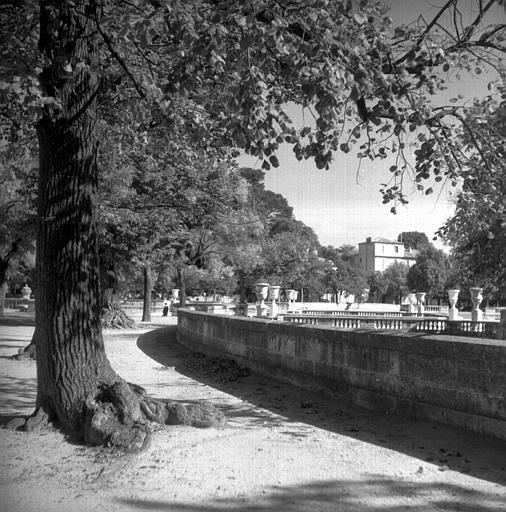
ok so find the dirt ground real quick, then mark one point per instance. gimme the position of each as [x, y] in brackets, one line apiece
[283, 449]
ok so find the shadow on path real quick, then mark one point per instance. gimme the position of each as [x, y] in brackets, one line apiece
[269, 402]
[18, 318]
[373, 495]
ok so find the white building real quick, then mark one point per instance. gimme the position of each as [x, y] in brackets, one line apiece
[375, 255]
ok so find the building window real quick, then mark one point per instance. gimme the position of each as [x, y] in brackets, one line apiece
[396, 248]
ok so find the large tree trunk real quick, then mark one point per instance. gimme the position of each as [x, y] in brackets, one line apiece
[76, 384]
[71, 362]
[146, 304]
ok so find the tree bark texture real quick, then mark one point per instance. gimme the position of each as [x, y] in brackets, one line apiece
[70, 351]
[76, 384]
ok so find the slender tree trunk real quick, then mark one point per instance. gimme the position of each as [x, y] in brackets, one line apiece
[182, 287]
[3, 293]
[146, 305]
[4, 265]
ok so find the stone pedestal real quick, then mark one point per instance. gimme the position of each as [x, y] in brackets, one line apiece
[453, 312]
[290, 297]
[26, 291]
[420, 296]
[261, 290]
[412, 308]
[501, 332]
[273, 297]
[476, 297]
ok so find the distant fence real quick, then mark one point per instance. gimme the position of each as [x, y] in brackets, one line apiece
[139, 304]
[19, 304]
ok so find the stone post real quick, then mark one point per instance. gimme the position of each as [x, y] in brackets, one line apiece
[421, 302]
[261, 290]
[290, 297]
[273, 296]
[476, 297]
[501, 332]
[453, 312]
[26, 291]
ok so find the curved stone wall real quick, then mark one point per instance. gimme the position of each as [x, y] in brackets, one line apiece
[453, 380]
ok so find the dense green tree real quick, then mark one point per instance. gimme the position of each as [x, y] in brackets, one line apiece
[17, 216]
[343, 277]
[414, 239]
[430, 273]
[389, 285]
[289, 255]
[477, 232]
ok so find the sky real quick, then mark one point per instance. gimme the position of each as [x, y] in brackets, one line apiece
[343, 205]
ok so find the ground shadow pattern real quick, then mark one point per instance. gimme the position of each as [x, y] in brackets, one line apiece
[373, 495]
[265, 402]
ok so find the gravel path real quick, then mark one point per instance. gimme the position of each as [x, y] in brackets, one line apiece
[283, 449]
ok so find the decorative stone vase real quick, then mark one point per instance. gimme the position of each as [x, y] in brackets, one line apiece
[273, 296]
[290, 297]
[453, 313]
[26, 291]
[262, 291]
[420, 296]
[175, 293]
[274, 292]
[412, 303]
[476, 297]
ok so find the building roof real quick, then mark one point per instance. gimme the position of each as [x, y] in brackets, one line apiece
[380, 240]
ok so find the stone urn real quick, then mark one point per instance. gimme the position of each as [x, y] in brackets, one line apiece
[175, 293]
[412, 303]
[273, 297]
[290, 297]
[476, 298]
[453, 295]
[26, 291]
[262, 291]
[420, 297]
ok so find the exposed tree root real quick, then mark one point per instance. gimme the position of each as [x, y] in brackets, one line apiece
[113, 317]
[121, 414]
[110, 471]
[38, 420]
[26, 353]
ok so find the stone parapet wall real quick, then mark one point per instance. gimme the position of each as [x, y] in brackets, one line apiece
[450, 379]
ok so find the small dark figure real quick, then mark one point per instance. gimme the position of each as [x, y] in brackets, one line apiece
[165, 309]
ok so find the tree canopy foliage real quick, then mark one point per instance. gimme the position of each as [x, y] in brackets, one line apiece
[431, 272]
[389, 285]
[477, 232]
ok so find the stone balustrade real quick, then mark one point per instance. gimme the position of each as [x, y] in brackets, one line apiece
[356, 312]
[482, 328]
[460, 380]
